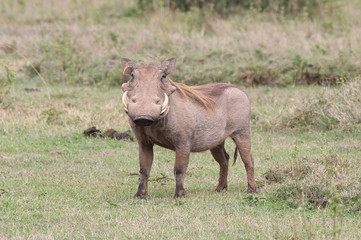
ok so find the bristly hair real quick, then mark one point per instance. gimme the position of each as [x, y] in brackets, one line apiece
[201, 94]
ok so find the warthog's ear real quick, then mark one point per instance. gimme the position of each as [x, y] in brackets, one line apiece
[169, 65]
[127, 65]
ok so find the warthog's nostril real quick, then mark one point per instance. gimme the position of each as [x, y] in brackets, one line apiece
[143, 120]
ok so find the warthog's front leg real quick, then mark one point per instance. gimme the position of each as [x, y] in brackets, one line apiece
[180, 169]
[145, 163]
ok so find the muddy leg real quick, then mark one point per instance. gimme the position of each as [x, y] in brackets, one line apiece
[180, 169]
[221, 156]
[243, 143]
[145, 163]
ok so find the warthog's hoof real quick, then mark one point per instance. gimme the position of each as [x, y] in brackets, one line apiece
[141, 195]
[252, 189]
[221, 187]
[180, 194]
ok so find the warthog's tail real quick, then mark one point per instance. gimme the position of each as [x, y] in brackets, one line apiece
[235, 156]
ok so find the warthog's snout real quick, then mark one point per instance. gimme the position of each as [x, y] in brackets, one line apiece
[143, 120]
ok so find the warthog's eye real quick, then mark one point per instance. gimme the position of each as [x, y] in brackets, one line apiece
[131, 77]
[164, 75]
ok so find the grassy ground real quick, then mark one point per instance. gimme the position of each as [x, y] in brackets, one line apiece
[87, 190]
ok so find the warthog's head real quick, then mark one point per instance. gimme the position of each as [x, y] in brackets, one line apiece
[145, 97]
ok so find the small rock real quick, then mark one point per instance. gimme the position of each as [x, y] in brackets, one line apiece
[55, 153]
[110, 132]
[93, 132]
[124, 135]
[119, 136]
[31, 90]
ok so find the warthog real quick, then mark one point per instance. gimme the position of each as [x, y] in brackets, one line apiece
[185, 119]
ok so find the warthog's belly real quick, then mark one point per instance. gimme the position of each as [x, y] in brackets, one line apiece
[198, 145]
[207, 140]
[200, 139]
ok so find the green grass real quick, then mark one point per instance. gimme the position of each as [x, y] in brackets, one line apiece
[87, 191]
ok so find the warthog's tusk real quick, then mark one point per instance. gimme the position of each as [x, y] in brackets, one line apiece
[165, 104]
[124, 101]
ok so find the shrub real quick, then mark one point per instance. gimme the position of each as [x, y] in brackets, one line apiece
[311, 196]
[333, 108]
[64, 60]
[7, 78]
[315, 182]
[224, 7]
[53, 116]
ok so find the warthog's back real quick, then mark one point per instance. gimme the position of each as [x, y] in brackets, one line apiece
[211, 116]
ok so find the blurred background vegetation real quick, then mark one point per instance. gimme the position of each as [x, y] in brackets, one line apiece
[261, 42]
[226, 7]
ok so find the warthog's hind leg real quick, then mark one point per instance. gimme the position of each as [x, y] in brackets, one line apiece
[180, 169]
[243, 143]
[221, 156]
[145, 164]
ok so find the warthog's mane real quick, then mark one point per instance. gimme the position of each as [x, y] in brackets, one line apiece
[203, 94]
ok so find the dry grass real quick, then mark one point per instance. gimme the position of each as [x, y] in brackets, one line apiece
[248, 49]
[332, 108]
[315, 182]
[309, 109]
